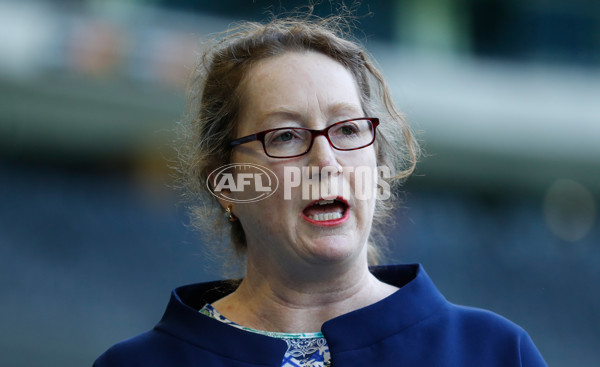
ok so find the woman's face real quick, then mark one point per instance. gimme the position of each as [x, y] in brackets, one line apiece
[313, 91]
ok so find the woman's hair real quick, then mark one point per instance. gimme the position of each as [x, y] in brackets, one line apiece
[214, 95]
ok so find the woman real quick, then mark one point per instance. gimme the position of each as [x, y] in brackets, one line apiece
[292, 96]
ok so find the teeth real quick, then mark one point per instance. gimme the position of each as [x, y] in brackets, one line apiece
[323, 202]
[326, 216]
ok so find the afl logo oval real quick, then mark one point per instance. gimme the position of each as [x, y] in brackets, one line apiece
[242, 182]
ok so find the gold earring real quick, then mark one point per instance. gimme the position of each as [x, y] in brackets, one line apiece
[229, 215]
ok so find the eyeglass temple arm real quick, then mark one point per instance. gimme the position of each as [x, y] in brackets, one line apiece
[245, 139]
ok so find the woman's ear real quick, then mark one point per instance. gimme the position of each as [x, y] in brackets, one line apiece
[223, 190]
[229, 213]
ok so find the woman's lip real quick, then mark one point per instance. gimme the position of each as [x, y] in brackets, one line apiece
[328, 223]
[332, 222]
[338, 198]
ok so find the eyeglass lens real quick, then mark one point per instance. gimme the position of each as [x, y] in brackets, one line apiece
[294, 141]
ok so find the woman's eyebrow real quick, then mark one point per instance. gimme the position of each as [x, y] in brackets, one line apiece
[291, 115]
[280, 114]
[343, 107]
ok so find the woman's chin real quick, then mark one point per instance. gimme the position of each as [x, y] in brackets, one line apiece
[332, 251]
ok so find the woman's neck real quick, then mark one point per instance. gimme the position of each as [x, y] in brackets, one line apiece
[283, 302]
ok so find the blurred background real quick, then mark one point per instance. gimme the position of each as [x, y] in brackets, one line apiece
[503, 210]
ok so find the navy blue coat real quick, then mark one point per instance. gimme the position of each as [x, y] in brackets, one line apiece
[415, 326]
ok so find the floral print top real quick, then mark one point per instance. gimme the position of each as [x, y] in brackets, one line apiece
[304, 349]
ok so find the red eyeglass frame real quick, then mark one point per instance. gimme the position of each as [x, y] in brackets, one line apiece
[260, 136]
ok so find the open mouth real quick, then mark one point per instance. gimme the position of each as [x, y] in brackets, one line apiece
[327, 211]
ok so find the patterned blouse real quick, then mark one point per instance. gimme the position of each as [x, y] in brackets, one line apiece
[304, 349]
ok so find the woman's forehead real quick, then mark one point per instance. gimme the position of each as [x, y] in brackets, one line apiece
[299, 85]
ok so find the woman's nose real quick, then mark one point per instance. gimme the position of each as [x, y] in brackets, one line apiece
[322, 154]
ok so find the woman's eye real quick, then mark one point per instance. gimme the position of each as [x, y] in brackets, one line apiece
[286, 136]
[348, 130]
[283, 136]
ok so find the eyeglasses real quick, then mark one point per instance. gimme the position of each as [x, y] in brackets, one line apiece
[290, 142]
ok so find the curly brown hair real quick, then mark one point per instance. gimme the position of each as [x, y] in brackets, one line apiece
[214, 96]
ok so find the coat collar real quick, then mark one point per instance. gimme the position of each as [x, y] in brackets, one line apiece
[416, 300]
